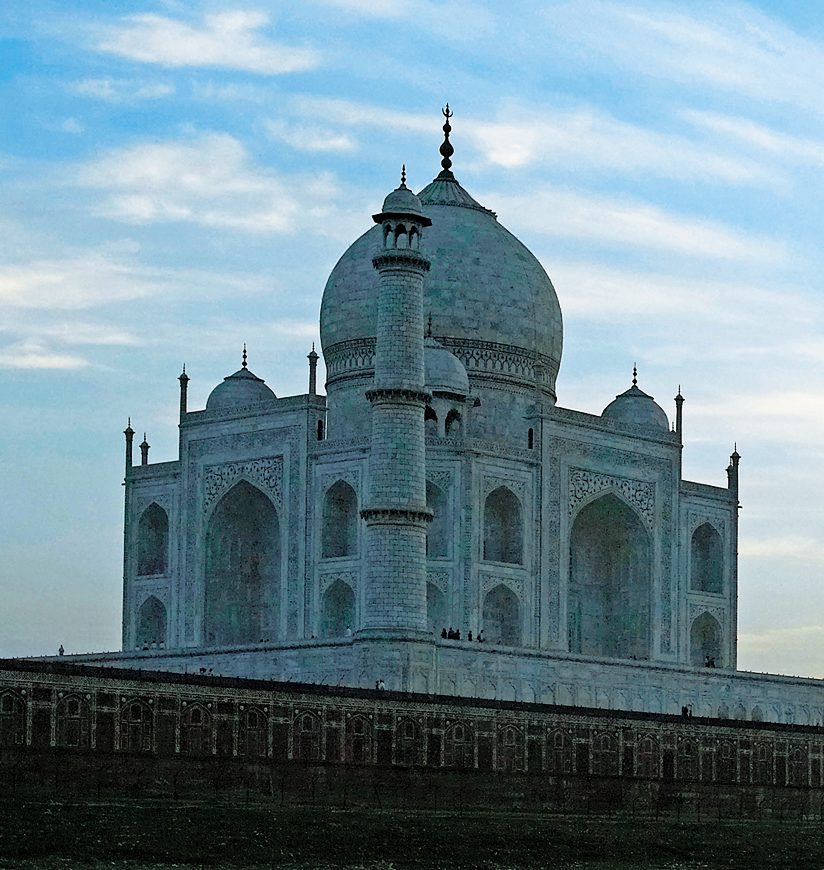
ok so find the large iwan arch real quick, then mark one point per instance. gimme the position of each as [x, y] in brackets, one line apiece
[610, 582]
[243, 568]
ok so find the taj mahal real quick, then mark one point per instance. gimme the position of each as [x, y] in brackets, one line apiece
[439, 484]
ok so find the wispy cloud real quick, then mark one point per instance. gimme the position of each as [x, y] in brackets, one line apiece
[32, 354]
[731, 47]
[630, 223]
[121, 90]
[307, 137]
[210, 180]
[232, 40]
[759, 136]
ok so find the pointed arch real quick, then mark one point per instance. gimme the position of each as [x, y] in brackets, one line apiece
[307, 736]
[73, 717]
[152, 541]
[503, 527]
[437, 535]
[243, 568]
[337, 610]
[454, 424]
[435, 609]
[610, 581]
[459, 745]
[136, 726]
[253, 733]
[430, 422]
[502, 616]
[12, 720]
[151, 623]
[358, 739]
[706, 560]
[196, 730]
[705, 642]
[339, 535]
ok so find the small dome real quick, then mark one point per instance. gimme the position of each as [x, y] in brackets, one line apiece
[238, 390]
[402, 201]
[444, 372]
[638, 409]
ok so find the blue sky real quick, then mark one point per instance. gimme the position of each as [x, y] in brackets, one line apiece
[178, 178]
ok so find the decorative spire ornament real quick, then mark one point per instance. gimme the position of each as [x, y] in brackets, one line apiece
[634, 375]
[446, 148]
[403, 175]
[243, 364]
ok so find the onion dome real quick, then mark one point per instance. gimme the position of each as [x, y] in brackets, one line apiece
[636, 408]
[238, 390]
[443, 371]
[495, 305]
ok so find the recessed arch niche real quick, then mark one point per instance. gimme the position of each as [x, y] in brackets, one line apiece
[610, 581]
[705, 642]
[706, 560]
[243, 568]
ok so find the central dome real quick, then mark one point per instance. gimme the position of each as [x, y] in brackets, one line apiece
[491, 301]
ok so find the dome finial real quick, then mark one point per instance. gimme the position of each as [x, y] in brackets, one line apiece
[403, 175]
[634, 375]
[243, 364]
[446, 148]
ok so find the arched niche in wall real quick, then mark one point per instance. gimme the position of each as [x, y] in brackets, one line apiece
[503, 527]
[610, 582]
[151, 622]
[430, 422]
[337, 610]
[243, 568]
[339, 535]
[705, 642]
[435, 609]
[437, 534]
[454, 424]
[502, 616]
[152, 541]
[706, 560]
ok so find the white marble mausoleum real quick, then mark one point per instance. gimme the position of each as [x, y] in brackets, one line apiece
[439, 484]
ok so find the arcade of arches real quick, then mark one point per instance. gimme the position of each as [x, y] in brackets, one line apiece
[609, 582]
[243, 556]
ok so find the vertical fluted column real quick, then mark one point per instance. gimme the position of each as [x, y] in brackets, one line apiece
[395, 513]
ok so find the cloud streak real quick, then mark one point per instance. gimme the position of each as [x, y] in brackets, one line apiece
[231, 40]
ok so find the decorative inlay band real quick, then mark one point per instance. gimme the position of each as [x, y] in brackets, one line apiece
[391, 394]
[402, 259]
[266, 472]
[395, 515]
[639, 493]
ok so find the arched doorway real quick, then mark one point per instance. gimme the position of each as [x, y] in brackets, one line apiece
[338, 610]
[242, 568]
[706, 560]
[151, 622]
[609, 582]
[503, 527]
[705, 642]
[339, 536]
[152, 541]
[502, 616]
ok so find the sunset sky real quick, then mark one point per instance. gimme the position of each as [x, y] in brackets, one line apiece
[177, 178]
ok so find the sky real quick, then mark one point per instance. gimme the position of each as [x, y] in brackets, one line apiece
[177, 178]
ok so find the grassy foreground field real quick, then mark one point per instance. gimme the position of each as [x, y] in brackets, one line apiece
[162, 834]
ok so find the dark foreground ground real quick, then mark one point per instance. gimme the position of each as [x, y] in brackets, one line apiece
[163, 834]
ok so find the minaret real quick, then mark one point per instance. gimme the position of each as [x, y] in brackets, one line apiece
[129, 433]
[144, 451]
[732, 471]
[313, 371]
[679, 415]
[395, 513]
[184, 387]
